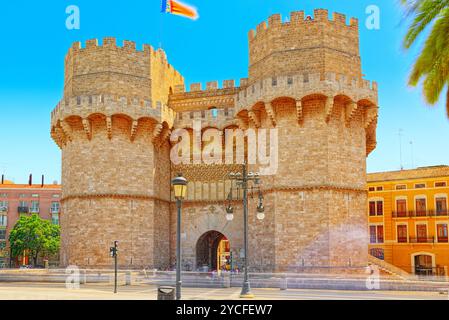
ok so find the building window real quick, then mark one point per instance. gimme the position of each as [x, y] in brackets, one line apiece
[289, 80]
[401, 187]
[23, 195]
[441, 206]
[420, 186]
[3, 195]
[379, 188]
[376, 234]
[226, 112]
[180, 116]
[214, 112]
[421, 208]
[191, 115]
[34, 206]
[377, 252]
[440, 184]
[421, 232]
[35, 195]
[55, 207]
[402, 233]
[371, 189]
[442, 232]
[56, 196]
[3, 206]
[376, 208]
[401, 208]
[2, 234]
[274, 82]
[3, 221]
[55, 218]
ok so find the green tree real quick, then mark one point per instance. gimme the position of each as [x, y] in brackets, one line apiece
[36, 236]
[432, 64]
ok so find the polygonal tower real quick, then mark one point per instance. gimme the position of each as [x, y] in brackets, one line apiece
[305, 80]
[112, 126]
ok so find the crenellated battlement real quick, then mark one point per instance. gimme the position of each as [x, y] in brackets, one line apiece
[303, 44]
[215, 118]
[298, 18]
[108, 105]
[108, 68]
[302, 85]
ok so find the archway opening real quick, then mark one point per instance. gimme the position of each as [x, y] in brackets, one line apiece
[423, 265]
[213, 252]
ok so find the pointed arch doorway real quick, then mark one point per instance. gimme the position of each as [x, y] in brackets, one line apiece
[213, 251]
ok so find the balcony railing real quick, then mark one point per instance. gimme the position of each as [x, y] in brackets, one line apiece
[402, 239]
[420, 213]
[442, 239]
[22, 210]
[421, 239]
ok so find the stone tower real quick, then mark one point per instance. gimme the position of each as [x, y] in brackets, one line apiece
[112, 126]
[305, 79]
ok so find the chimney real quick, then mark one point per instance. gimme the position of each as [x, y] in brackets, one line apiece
[42, 183]
[30, 180]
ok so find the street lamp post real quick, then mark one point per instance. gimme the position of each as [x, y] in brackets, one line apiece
[242, 179]
[180, 189]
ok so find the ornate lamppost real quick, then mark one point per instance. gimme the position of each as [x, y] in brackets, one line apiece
[243, 180]
[180, 190]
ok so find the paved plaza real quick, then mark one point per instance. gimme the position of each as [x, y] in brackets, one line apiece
[58, 291]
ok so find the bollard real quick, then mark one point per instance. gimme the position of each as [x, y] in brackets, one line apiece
[128, 280]
[283, 283]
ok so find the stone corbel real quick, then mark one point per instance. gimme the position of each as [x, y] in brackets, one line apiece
[134, 129]
[254, 117]
[66, 129]
[109, 126]
[370, 115]
[329, 107]
[87, 128]
[157, 130]
[350, 110]
[271, 113]
[299, 113]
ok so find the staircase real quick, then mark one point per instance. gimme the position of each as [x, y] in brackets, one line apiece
[390, 269]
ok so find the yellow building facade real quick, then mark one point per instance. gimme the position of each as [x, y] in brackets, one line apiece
[408, 219]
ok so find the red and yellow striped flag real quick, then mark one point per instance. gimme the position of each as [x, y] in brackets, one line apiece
[179, 8]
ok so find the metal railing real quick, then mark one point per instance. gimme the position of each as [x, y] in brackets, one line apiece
[420, 213]
[421, 239]
[22, 210]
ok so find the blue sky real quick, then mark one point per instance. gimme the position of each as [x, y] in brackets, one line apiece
[34, 40]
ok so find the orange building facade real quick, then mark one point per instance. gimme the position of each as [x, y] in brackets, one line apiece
[408, 219]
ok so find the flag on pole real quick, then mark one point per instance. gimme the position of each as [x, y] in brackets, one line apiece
[179, 8]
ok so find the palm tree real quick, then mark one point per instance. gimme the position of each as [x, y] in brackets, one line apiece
[433, 61]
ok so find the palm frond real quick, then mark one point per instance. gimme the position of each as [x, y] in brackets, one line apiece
[425, 12]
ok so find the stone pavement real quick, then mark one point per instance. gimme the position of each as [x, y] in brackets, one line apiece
[57, 291]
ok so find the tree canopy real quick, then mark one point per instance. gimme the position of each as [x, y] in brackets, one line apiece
[36, 236]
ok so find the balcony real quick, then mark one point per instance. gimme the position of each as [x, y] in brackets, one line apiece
[422, 240]
[420, 213]
[23, 210]
[442, 239]
[402, 239]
